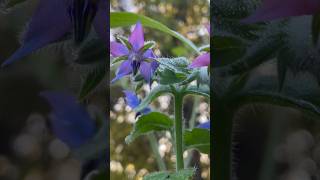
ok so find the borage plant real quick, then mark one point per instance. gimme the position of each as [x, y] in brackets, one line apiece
[177, 76]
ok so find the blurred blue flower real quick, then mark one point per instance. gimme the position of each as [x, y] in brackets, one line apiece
[205, 125]
[55, 19]
[133, 101]
[70, 121]
[138, 58]
[276, 9]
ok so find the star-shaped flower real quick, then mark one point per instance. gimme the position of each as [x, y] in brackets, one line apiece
[277, 9]
[54, 19]
[137, 55]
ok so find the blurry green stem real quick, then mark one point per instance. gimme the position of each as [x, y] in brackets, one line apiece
[192, 123]
[178, 129]
[154, 145]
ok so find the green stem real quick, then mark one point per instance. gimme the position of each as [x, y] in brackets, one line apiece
[154, 146]
[178, 129]
[222, 142]
[192, 123]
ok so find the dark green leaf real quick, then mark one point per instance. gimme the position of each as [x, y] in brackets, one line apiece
[227, 50]
[148, 45]
[93, 51]
[118, 59]
[198, 138]
[92, 80]
[153, 121]
[201, 91]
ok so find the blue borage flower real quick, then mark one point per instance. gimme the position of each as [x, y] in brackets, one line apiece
[276, 9]
[70, 121]
[137, 58]
[133, 101]
[54, 19]
[205, 125]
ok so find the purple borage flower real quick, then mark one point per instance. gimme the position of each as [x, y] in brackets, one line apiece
[205, 125]
[70, 121]
[54, 19]
[133, 101]
[137, 57]
[202, 60]
[276, 9]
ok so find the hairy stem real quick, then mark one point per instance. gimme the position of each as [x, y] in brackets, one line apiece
[154, 146]
[178, 129]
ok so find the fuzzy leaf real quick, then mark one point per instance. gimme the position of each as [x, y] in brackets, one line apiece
[153, 121]
[192, 140]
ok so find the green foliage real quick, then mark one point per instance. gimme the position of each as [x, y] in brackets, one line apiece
[198, 138]
[182, 174]
[120, 19]
[153, 121]
[92, 80]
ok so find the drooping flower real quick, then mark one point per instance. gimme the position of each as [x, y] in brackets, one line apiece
[202, 60]
[55, 19]
[138, 58]
[277, 9]
[133, 101]
[70, 121]
[205, 125]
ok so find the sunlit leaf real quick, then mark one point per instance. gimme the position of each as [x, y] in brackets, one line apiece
[192, 140]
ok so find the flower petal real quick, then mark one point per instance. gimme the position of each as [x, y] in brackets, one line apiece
[137, 38]
[131, 99]
[100, 21]
[275, 9]
[200, 61]
[70, 121]
[205, 125]
[148, 54]
[118, 49]
[124, 69]
[146, 71]
[49, 23]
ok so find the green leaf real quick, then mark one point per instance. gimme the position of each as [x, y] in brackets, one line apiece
[92, 52]
[6, 4]
[154, 93]
[121, 19]
[315, 28]
[226, 50]
[177, 65]
[166, 77]
[205, 48]
[185, 174]
[198, 138]
[153, 121]
[92, 80]
[201, 91]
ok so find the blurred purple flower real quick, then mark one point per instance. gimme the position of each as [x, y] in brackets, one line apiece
[202, 60]
[70, 121]
[133, 101]
[205, 125]
[138, 58]
[276, 9]
[54, 19]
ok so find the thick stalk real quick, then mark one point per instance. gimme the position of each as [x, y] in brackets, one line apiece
[222, 142]
[178, 129]
[154, 145]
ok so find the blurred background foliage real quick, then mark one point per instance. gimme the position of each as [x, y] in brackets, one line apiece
[135, 160]
[28, 148]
